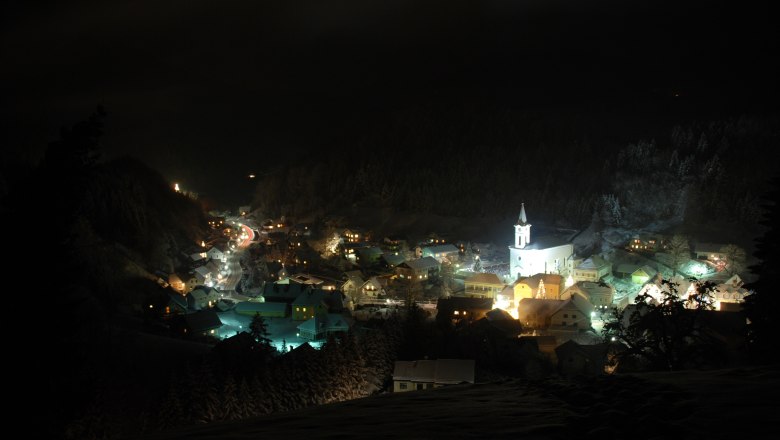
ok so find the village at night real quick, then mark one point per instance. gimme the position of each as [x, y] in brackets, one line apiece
[391, 219]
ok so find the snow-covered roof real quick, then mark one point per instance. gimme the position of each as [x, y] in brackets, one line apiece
[484, 278]
[441, 249]
[547, 242]
[533, 281]
[393, 259]
[421, 263]
[591, 263]
[202, 271]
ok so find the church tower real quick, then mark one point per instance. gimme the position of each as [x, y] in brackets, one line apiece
[522, 230]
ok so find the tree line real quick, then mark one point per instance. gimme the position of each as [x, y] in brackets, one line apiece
[472, 165]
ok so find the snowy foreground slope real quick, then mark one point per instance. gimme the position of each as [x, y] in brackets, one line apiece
[689, 404]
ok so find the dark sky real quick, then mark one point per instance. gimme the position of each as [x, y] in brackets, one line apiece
[207, 91]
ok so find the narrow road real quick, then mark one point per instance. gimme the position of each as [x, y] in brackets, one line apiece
[234, 265]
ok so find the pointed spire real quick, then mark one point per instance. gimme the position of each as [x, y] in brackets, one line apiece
[522, 220]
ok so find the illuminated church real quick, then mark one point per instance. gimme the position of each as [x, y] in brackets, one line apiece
[543, 255]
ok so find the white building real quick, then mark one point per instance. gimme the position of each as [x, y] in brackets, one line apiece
[544, 255]
[215, 253]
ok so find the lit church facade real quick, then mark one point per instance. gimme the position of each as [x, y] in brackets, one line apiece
[543, 255]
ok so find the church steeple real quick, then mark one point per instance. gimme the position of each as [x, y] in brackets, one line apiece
[522, 221]
[522, 229]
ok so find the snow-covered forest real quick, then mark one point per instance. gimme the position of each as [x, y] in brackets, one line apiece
[485, 166]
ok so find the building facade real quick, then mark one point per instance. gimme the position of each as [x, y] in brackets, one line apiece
[546, 255]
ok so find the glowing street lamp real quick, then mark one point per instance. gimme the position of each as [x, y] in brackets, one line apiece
[176, 187]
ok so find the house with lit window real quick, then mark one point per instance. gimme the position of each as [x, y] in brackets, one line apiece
[483, 285]
[542, 314]
[205, 322]
[308, 304]
[202, 275]
[182, 282]
[355, 235]
[420, 270]
[456, 309]
[204, 297]
[352, 284]
[647, 243]
[372, 288]
[709, 251]
[428, 374]
[392, 244]
[199, 256]
[216, 222]
[593, 269]
[441, 252]
[349, 250]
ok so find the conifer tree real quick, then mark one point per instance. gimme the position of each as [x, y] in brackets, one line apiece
[230, 408]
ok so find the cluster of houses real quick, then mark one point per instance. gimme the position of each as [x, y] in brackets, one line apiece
[549, 295]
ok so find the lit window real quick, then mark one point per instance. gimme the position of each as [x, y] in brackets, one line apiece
[456, 312]
[304, 309]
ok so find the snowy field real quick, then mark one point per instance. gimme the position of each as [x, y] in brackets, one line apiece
[718, 404]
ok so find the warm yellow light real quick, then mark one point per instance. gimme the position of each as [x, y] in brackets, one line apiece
[176, 187]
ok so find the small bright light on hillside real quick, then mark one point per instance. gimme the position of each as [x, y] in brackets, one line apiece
[176, 187]
[251, 176]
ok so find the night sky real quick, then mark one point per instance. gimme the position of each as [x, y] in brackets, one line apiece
[208, 91]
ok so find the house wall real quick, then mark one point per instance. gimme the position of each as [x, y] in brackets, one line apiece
[552, 291]
[533, 320]
[570, 317]
[527, 262]
[402, 386]
[639, 277]
[177, 283]
[416, 276]
[480, 290]
[523, 290]
[302, 313]
[586, 275]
